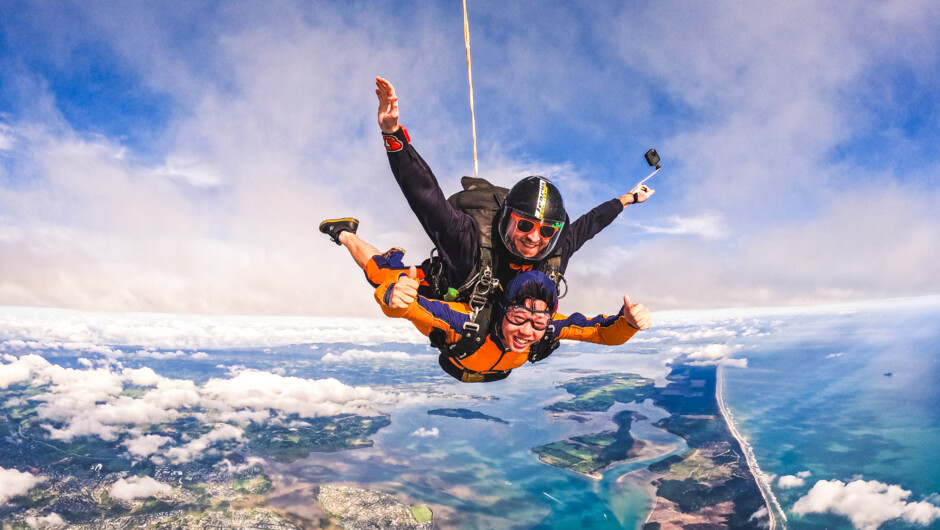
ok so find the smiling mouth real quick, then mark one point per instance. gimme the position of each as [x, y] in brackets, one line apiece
[521, 344]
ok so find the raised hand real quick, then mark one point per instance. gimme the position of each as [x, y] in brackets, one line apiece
[637, 315]
[405, 290]
[642, 193]
[388, 105]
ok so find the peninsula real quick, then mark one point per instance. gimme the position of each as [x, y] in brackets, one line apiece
[710, 484]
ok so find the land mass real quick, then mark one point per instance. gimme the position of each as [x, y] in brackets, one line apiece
[591, 453]
[221, 488]
[710, 484]
[466, 414]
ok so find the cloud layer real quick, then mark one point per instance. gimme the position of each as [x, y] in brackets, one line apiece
[798, 156]
[92, 402]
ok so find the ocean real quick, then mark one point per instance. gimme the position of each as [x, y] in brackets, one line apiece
[849, 394]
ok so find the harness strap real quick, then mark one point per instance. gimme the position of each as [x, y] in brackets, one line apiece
[467, 376]
[544, 347]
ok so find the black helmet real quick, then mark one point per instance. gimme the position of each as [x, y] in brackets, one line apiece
[537, 200]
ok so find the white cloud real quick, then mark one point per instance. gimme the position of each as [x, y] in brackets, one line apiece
[355, 355]
[134, 488]
[21, 369]
[422, 432]
[709, 225]
[14, 483]
[160, 355]
[47, 522]
[6, 139]
[308, 397]
[196, 447]
[146, 445]
[759, 514]
[790, 481]
[867, 504]
[711, 354]
[51, 329]
[141, 376]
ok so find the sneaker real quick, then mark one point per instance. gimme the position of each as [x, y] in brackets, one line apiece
[335, 227]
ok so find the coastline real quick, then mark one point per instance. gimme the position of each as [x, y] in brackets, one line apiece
[773, 507]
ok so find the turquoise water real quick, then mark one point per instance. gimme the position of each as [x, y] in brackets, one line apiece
[815, 398]
[483, 474]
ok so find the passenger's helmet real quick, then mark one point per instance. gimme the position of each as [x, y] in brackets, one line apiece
[535, 285]
[537, 199]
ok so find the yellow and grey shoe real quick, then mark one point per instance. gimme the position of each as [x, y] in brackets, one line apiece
[335, 227]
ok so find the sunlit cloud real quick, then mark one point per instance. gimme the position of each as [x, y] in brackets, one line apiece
[868, 504]
[709, 225]
[194, 448]
[425, 433]
[169, 336]
[355, 355]
[710, 355]
[46, 522]
[14, 483]
[146, 445]
[133, 488]
[792, 481]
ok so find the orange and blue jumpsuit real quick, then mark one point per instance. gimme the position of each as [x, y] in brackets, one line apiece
[493, 361]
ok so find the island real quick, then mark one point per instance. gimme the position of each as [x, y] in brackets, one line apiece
[466, 414]
[591, 453]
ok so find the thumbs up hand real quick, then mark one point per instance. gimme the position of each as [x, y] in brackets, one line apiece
[637, 315]
[405, 290]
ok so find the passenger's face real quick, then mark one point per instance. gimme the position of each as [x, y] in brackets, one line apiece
[527, 244]
[520, 337]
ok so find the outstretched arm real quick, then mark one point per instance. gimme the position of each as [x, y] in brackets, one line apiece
[591, 223]
[610, 330]
[453, 232]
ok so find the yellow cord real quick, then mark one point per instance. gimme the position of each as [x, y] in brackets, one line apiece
[473, 119]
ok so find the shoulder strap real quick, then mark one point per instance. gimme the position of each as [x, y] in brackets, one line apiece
[472, 336]
[544, 347]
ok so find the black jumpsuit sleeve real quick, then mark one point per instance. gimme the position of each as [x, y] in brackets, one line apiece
[453, 232]
[588, 226]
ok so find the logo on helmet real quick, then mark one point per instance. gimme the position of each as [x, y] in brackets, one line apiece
[542, 200]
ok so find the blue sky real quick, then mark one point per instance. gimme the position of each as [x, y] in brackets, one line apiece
[178, 156]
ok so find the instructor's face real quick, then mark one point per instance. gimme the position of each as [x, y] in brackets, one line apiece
[527, 244]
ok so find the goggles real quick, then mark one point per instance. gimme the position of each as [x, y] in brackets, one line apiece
[518, 315]
[525, 225]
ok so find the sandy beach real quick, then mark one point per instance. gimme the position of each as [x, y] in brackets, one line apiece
[773, 507]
